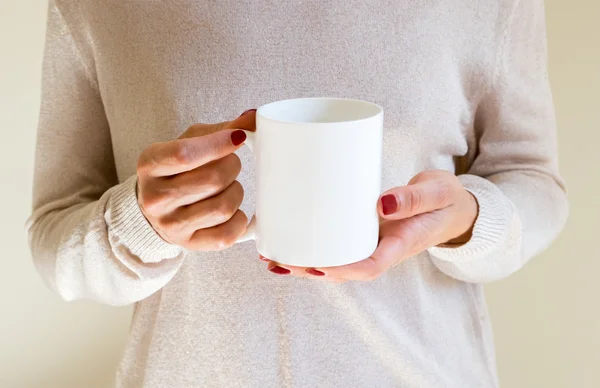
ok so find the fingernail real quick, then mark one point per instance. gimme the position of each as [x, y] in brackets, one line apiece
[246, 112]
[238, 137]
[314, 272]
[389, 204]
[279, 271]
[261, 257]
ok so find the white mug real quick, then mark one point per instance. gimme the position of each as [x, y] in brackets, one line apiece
[318, 179]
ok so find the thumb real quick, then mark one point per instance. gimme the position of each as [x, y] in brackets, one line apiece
[246, 120]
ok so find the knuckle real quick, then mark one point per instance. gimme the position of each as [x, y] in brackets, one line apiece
[224, 242]
[213, 179]
[223, 210]
[415, 199]
[181, 154]
[233, 231]
[154, 203]
[170, 224]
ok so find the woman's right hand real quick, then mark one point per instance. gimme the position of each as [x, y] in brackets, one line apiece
[187, 187]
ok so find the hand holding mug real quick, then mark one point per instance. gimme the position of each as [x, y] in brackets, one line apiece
[432, 209]
[187, 187]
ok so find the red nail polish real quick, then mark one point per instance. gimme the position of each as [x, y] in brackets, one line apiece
[389, 204]
[261, 257]
[314, 272]
[280, 271]
[246, 112]
[238, 137]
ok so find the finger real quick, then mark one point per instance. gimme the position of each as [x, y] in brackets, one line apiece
[246, 120]
[205, 214]
[211, 212]
[193, 186]
[279, 269]
[417, 198]
[300, 272]
[219, 237]
[284, 269]
[314, 273]
[177, 156]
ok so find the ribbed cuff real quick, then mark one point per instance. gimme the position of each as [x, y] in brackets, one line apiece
[491, 228]
[127, 224]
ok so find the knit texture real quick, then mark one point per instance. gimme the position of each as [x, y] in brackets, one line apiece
[464, 86]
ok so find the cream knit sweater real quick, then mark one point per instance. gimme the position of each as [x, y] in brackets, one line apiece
[465, 88]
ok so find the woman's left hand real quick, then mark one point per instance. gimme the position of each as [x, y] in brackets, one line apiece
[432, 209]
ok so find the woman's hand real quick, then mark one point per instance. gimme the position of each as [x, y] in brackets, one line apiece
[432, 209]
[187, 188]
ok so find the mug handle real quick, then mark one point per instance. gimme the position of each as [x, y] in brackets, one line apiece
[250, 233]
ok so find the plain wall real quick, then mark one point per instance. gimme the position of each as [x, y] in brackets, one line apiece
[546, 317]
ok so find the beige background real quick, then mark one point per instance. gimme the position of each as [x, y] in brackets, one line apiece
[546, 317]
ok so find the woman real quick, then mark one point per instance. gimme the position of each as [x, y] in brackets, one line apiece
[135, 202]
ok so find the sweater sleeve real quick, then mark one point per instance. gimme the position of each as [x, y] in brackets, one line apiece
[514, 177]
[88, 237]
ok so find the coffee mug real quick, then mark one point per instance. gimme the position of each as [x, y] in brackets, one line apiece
[318, 179]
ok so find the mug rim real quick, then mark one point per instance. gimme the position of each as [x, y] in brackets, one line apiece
[260, 110]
